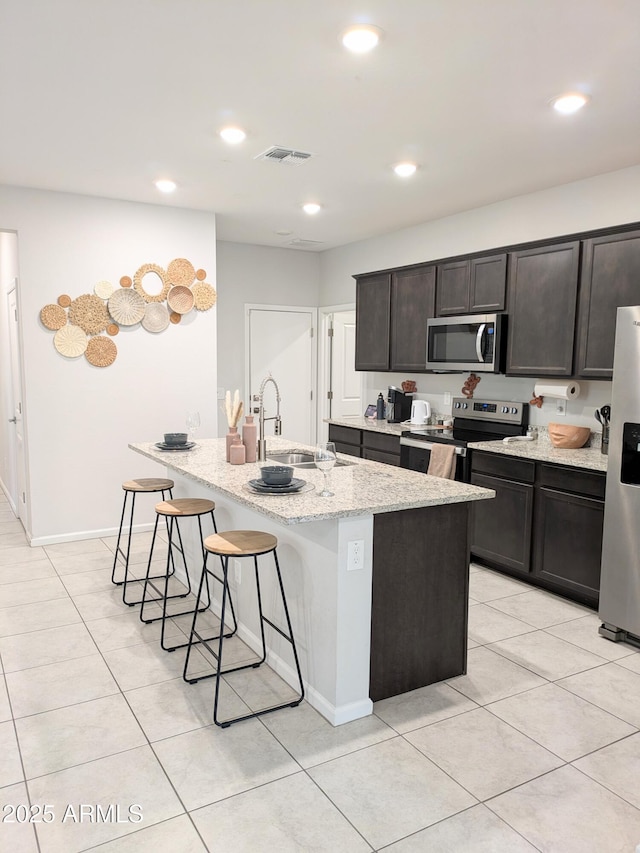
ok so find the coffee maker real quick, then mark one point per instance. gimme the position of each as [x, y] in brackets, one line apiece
[398, 405]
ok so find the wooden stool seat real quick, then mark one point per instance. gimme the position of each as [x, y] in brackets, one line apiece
[240, 543]
[147, 484]
[185, 507]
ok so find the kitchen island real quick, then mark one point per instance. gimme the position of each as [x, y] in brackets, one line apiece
[386, 619]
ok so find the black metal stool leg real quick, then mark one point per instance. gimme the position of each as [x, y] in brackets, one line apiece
[117, 551]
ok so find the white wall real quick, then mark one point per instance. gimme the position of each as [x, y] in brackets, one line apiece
[79, 418]
[249, 274]
[8, 273]
[599, 202]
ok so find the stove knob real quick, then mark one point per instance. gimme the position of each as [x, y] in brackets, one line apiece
[505, 409]
[465, 405]
[514, 411]
[457, 405]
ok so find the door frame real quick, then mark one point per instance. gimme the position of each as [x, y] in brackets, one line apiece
[300, 309]
[325, 315]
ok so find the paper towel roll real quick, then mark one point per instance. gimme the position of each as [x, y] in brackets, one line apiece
[558, 389]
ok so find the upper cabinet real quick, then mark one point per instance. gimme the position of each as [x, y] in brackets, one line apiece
[610, 278]
[543, 286]
[471, 286]
[391, 319]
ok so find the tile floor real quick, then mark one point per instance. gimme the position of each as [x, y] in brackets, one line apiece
[536, 748]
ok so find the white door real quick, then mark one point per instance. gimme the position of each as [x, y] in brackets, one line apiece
[281, 341]
[18, 485]
[345, 381]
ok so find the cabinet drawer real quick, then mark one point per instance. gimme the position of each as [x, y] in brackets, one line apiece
[345, 435]
[349, 449]
[591, 483]
[381, 456]
[522, 470]
[381, 441]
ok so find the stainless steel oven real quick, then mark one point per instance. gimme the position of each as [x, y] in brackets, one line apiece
[474, 342]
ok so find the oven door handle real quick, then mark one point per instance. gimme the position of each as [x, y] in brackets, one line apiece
[428, 445]
[481, 329]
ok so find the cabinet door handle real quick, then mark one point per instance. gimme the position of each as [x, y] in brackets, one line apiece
[481, 329]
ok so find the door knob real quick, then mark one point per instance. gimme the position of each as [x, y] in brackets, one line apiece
[13, 420]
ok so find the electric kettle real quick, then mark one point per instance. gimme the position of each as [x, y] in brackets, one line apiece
[420, 411]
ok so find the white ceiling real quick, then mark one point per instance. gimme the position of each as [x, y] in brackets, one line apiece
[101, 97]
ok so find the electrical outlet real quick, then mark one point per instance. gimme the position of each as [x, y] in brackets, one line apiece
[561, 407]
[237, 572]
[447, 398]
[355, 555]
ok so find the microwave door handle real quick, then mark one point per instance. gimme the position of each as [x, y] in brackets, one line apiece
[481, 329]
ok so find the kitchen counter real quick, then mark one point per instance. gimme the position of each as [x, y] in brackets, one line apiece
[361, 487]
[387, 622]
[543, 451]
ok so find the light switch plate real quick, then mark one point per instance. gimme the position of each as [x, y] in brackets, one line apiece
[447, 398]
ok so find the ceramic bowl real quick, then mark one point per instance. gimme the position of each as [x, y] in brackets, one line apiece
[276, 475]
[175, 438]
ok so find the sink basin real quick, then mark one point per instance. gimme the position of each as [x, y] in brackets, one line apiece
[298, 459]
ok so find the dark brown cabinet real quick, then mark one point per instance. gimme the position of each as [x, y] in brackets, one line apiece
[373, 319]
[544, 525]
[472, 285]
[347, 439]
[610, 277]
[380, 447]
[543, 286]
[413, 294]
[391, 319]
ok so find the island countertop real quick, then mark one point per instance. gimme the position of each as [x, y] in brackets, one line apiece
[361, 487]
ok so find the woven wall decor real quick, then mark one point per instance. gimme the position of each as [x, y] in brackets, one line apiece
[175, 318]
[70, 341]
[101, 351]
[201, 275]
[103, 289]
[64, 301]
[180, 299]
[138, 280]
[113, 329]
[125, 281]
[53, 317]
[181, 271]
[204, 296]
[90, 313]
[156, 317]
[126, 307]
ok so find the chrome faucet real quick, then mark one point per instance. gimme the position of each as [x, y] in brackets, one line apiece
[259, 410]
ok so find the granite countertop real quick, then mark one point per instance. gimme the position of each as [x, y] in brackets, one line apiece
[361, 488]
[543, 451]
[370, 424]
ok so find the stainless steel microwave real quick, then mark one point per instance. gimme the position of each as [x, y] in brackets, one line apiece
[472, 342]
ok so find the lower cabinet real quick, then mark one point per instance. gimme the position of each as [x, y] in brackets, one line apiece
[544, 526]
[377, 446]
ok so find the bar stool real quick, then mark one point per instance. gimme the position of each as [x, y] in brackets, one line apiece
[236, 544]
[172, 510]
[147, 485]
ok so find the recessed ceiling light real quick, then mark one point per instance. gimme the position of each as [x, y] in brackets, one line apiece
[361, 37]
[165, 186]
[569, 103]
[405, 170]
[233, 135]
[284, 233]
[311, 208]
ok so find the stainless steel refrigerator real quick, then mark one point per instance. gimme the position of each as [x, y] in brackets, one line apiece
[620, 578]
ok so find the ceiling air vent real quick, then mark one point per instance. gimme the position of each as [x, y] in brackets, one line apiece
[299, 243]
[277, 154]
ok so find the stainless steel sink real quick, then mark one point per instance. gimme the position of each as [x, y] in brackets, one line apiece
[298, 459]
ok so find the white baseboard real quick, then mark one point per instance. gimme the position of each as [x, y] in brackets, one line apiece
[86, 534]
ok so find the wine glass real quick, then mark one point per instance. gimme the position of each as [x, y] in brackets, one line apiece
[193, 423]
[325, 458]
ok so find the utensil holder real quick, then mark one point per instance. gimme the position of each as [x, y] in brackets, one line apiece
[604, 447]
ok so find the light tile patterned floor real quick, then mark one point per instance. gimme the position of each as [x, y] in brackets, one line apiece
[536, 748]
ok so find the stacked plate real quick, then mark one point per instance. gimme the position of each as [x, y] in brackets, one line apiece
[260, 487]
[161, 445]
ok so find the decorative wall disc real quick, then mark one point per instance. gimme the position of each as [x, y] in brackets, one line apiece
[204, 295]
[70, 341]
[113, 329]
[201, 275]
[125, 281]
[138, 279]
[156, 317]
[53, 317]
[101, 351]
[103, 289]
[90, 313]
[64, 300]
[126, 307]
[181, 271]
[175, 318]
[180, 299]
